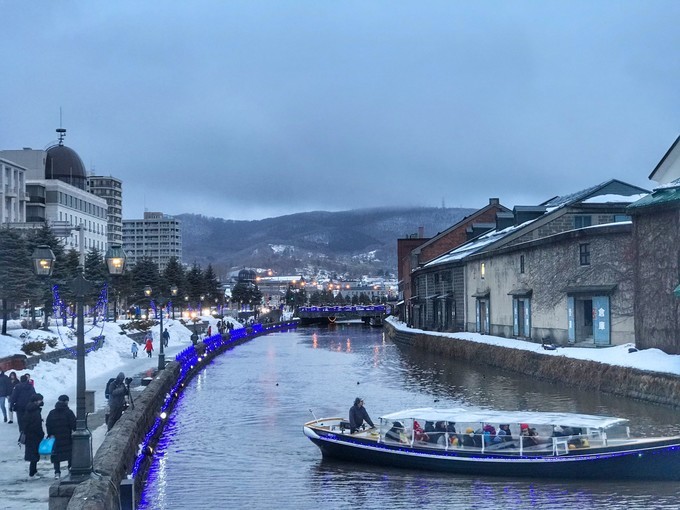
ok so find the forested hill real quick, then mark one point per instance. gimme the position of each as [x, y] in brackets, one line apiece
[361, 241]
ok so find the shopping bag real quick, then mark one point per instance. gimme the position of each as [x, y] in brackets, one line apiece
[46, 446]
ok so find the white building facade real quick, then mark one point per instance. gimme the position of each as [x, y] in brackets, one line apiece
[12, 192]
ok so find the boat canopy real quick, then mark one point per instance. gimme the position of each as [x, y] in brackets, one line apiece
[462, 415]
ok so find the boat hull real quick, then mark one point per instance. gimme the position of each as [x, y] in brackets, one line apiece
[659, 460]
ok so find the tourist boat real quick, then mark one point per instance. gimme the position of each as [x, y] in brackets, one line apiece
[537, 445]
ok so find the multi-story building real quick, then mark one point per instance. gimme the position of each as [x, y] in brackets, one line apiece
[110, 189]
[12, 192]
[157, 236]
[56, 194]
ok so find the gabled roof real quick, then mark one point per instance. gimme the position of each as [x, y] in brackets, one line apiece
[466, 219]
[554, 207]
[668, 159]
[612, 186]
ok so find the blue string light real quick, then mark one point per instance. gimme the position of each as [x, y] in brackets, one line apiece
[59, 305]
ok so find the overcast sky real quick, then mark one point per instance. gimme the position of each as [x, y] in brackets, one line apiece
[247, 110]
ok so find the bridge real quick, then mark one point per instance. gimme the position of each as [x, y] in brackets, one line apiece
[370, 314]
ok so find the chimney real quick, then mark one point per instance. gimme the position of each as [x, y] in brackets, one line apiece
[494, 201]
[421, 232]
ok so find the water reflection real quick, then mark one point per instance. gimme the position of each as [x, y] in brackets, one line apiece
[236, 436]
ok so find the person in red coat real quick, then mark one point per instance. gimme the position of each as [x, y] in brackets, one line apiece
[148, 347]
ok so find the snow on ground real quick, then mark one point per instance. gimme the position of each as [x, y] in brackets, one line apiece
[653, 360]
[54, 379]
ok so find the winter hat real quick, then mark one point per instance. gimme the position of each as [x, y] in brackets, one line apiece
[63, 398]
[469, 430]
[357, 401]
[121, 376]
[523, 426]
[36, 398]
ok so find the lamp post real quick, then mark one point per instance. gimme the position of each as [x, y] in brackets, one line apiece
[163, 303]
[43, 262]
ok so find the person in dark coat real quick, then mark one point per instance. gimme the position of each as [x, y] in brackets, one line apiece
[21, 397]
[117, 392]
[32, 422]
[13, 381]
[60, 423]
[357, 416]
[5, 393]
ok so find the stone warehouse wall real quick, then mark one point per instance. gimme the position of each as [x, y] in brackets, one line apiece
[654, 387]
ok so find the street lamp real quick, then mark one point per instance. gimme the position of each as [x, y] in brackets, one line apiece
[43, 262]
[163, 303]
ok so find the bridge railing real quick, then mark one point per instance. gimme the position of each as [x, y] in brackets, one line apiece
[347, 308]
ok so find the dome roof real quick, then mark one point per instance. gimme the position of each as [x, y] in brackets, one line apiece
[64, 164]
[246, 275]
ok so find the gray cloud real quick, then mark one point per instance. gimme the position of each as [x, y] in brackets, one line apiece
[253, 109]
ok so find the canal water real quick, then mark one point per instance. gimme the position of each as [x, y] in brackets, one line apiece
[235, 438]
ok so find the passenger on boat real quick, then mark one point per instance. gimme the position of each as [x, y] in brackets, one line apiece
[396, 433]
[489, 432]
[418, 432]
[529, 436]
[438, 434]
[357, 416]
[467, 439]
[504, 433]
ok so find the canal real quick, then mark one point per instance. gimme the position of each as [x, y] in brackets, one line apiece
[235, 438]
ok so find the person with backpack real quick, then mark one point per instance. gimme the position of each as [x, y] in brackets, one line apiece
[117, 392]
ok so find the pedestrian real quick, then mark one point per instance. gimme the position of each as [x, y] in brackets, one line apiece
[166, 337]
[134, 349]
[357, 416]
[60, 423]
[148, 347]
[33, 430]
[21, 397]
[13, 381]
[209, 333]
[5, 393]
[117, 392]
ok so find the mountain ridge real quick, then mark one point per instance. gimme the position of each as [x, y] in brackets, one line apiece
[356, 241]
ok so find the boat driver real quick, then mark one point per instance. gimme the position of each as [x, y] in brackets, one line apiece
[358, 415]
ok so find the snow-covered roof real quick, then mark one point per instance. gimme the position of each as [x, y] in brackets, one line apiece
[614, 199]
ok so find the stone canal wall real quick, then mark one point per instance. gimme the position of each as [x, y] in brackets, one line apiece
[654, 387]
[141, 427]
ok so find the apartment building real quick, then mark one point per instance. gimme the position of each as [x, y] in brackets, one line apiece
[156, 236]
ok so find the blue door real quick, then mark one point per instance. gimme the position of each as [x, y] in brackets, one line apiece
[515, 317]
[601, 320]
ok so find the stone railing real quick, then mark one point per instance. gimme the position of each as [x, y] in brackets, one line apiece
[23, 362]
